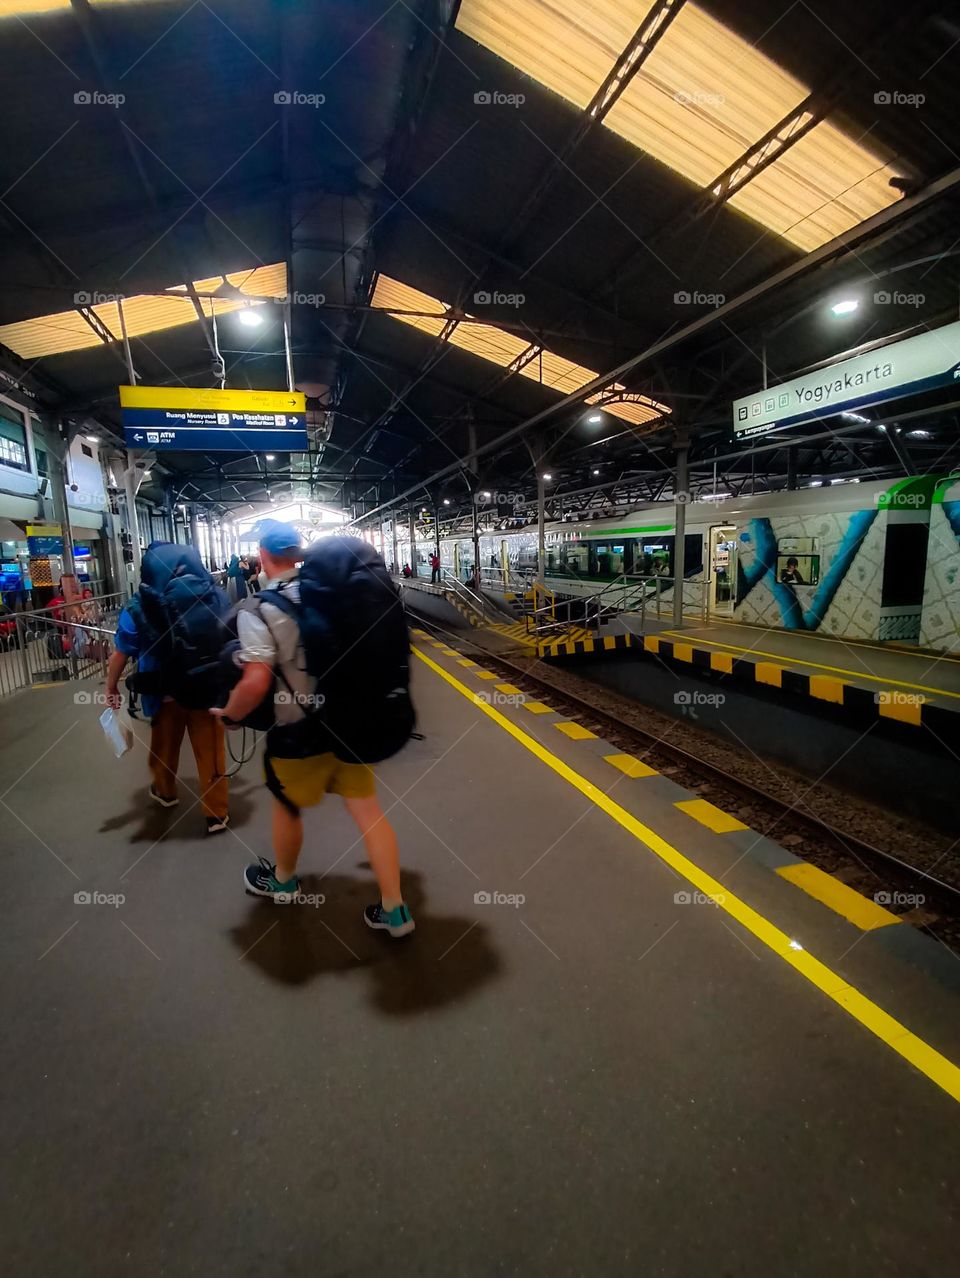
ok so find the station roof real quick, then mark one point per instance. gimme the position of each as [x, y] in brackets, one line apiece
[476, 211]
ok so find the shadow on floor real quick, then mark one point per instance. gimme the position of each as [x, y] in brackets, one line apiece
[446, 958]
[152, 823]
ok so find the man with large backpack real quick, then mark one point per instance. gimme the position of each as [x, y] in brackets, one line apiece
[174, 629]
[329, 643]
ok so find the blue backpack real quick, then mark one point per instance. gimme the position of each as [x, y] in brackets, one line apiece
[356, 645]
[181, 618]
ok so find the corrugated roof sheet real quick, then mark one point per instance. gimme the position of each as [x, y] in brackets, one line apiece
[144, 313]
[703, 99]
[503, 348]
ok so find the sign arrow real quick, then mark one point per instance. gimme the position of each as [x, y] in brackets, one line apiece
[138, 438]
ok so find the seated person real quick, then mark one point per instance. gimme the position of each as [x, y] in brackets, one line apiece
[791, 574]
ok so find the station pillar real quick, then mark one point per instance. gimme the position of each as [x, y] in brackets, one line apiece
[681, 491]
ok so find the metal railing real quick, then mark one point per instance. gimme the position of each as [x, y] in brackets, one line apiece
[57, 644]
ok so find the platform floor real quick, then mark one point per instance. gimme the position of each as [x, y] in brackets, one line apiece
[609, 1077]
[876, 667]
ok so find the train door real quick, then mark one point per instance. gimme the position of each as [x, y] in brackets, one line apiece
[723, 569]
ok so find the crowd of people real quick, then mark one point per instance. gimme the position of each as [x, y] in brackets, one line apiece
[274, 660]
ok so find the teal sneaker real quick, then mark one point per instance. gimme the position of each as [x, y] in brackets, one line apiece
[397, 922]
[261, 880]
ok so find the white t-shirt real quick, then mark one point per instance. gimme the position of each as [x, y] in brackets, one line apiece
[268, 635]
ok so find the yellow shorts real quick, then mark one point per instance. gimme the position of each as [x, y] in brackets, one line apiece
[302, 783]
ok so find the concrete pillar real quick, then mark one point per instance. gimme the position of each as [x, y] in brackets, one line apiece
[130, 486]
[541, 525]
[413, 542]
[681, 497]
[194, 527]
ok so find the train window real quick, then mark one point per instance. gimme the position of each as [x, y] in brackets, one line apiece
[609, 559]
[575, 558]
[798, 561]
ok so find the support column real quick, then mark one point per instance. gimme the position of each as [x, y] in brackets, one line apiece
[413, 542]
[541, 525]
[194, 528]
[168, 513]
[56, 435]
[396, 549]
[681, 497]
[130, 485]
[477, 574]
[791, 469]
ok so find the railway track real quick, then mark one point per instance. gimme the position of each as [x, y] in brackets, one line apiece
[859, 862]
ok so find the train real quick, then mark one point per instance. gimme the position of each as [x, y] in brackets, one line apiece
[858, 560]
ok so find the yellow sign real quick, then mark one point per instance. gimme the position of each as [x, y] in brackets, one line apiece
[201, 399]
[44, 530]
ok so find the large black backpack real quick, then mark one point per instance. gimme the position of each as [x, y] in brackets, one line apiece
[180, 614]
[356, 645]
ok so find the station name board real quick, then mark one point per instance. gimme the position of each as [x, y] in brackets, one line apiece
[185, 418]
[920, 363]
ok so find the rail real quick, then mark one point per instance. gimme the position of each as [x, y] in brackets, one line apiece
[58, 643]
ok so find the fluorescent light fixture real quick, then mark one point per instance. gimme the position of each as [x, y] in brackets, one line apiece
[596, 472]
[250, 318]
[270, 456]
[920, 434]
[713, 496]
[855, 417]
[845, 307]
[594, 419]
[546, 476]
[92, 439]
[446, 501]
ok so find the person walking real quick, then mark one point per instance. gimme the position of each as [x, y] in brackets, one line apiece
[299, 763]
[136, 640]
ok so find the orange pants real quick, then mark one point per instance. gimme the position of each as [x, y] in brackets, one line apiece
[206, 739]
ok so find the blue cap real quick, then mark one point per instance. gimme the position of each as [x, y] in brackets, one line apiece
[277, 537]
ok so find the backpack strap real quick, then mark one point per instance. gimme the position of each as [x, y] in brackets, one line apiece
[287, 606]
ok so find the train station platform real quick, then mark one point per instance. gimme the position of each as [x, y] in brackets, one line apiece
[625, 1037]
[914, 687]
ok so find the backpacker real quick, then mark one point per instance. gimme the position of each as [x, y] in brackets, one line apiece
[180, 614]
[356, 645]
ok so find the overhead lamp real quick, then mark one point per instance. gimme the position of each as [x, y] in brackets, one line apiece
[845, 307]
[270, 456]
[250, 317]
[595, 472]
[92, 439]
[595, 419]
[446, 501]
[486, 495]
[920, 434]
[547, 476]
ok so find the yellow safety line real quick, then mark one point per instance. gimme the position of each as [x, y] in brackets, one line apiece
[870, 1015]
[890, 681]
[823, 638]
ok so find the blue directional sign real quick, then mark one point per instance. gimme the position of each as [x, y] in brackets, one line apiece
[183, 418]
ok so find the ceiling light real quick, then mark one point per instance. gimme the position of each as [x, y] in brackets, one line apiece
[855, 417]
[446, 501]
[547, 476]
[594, 419]
[92, 439]
[487, 495]
[251, 318]
[845, 307]
[596, 472]
[270, 456]
[920, 434]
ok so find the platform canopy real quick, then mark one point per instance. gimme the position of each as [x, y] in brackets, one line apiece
[497, 235]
